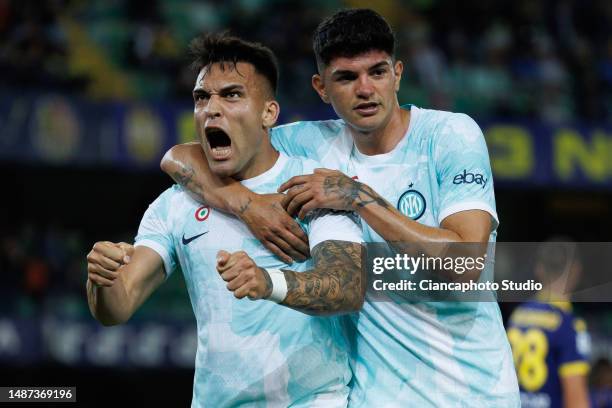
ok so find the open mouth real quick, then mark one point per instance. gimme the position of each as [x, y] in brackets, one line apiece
[219, 142]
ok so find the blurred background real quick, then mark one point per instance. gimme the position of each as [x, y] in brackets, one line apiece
[92, 93]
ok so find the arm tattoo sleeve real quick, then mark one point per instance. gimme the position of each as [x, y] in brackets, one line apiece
[336, 284]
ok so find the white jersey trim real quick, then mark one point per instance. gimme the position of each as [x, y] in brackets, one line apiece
[469, 205]
[161, 251]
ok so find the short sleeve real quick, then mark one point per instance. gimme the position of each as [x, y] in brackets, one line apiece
[463, 170]
[155, 234]
[574, 348]
[330, 225]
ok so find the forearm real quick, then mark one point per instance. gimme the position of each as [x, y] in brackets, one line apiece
[187, 166]
[335, 285]
[410, 237]
[575, 392]
[393, 226]
[109, 305]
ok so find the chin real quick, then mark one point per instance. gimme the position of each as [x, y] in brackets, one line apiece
[367, 124]
[222, 168]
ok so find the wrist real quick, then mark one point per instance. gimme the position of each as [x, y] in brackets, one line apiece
[358, 187]
[278, 290]
[237, 204]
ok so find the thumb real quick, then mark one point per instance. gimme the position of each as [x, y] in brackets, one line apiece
[128, 250]
[222, 257]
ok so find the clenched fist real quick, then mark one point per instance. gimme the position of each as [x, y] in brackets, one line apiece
[104, 261]
[243, 276]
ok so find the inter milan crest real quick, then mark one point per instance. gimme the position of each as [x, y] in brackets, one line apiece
[412, 204]
[202, 213]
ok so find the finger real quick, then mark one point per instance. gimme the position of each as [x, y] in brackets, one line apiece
[97, 258]
[272, 247]
[100, 281]
[237, 282]
[128, 250]
[298, 201]
[293, 181]
[285, 201]
[292, 192]
[299, 233]
[105, 273]
[231, 261]
[298, 245]
[109, 250]
[242, 291]
[222, 257]
[230, 274]
[288, 249]
[323, 171]
[306, 208]
[108, 263]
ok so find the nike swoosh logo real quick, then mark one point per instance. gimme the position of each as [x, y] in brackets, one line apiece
[188, 240]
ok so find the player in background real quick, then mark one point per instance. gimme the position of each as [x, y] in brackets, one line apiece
[550, 345]
[421, 176]
[249, 352]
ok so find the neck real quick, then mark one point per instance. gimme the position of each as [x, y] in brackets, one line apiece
[263, 160]
[385, 138]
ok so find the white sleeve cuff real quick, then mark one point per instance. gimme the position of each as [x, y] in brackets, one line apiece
[334, 227]
[469, 205]
[161, 251]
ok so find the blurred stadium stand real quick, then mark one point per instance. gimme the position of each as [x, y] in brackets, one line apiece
[92, 93]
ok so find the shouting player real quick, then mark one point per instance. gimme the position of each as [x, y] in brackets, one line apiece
[414, 176]
[249, 352]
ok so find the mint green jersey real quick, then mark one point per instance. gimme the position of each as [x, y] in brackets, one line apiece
[421, 354]
[250, 353]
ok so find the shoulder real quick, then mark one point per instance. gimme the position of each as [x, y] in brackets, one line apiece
[450, 132]
[169, 198]
[301, 165]
[324, 128]
[445, 127]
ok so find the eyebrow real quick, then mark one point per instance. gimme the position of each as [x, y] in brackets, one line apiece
[343, 72]
[379, 65]
[198, 90]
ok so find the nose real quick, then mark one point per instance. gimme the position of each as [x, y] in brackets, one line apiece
[365, 88]
[213, 107]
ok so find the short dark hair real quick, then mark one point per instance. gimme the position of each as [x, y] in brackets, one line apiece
[223, 48]
[352, 32]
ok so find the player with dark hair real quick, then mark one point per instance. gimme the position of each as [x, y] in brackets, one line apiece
[414, 176]
[550, 345]
[249, 352]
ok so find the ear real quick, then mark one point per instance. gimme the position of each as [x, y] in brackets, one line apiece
[270, 113]
[398, 68]
[319, 86]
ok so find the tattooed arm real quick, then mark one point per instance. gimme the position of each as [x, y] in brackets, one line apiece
[263, 214]
[335, 285]
[333, 189]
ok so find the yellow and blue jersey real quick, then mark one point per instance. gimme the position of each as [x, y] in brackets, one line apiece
[548, 343]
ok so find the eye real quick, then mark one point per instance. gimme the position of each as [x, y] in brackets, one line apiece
[345, 78]
[233, 95]
[200, 97]
[379, 72]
